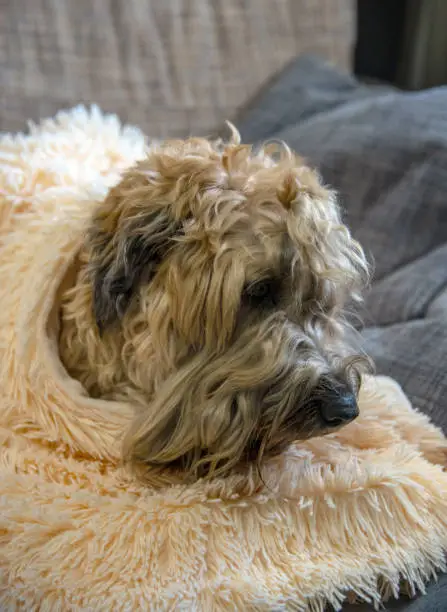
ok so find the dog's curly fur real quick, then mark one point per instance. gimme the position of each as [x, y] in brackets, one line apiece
[210, 294]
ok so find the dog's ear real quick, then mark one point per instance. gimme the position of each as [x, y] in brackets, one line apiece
[122, 259]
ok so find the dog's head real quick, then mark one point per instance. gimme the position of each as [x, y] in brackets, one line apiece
[227, 271]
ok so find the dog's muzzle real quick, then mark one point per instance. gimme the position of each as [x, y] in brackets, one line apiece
[337, 405]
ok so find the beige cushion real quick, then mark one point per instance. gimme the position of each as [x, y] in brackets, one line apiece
[171, 66]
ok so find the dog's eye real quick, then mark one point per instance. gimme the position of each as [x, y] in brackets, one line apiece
[263, 292]
[259, 291]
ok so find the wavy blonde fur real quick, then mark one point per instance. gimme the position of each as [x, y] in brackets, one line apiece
[159, 314]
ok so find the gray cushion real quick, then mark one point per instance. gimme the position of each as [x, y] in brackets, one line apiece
[435, 600]
[386, 154]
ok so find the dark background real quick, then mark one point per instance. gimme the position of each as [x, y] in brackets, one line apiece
[402, 42]
[381, 30]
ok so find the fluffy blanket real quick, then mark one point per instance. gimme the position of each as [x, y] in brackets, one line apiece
[361, 513]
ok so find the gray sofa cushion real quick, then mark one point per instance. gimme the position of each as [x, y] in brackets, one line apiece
[386, 154]
[434, 600]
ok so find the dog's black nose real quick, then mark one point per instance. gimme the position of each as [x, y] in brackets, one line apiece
[338, 408]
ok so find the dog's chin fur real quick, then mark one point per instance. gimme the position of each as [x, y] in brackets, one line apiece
[210, 294]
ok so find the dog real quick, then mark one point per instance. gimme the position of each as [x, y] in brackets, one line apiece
[210, 294]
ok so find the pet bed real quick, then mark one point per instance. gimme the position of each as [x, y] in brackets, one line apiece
[358, 514]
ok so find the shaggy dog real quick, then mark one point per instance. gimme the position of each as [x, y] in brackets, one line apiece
[210, 293]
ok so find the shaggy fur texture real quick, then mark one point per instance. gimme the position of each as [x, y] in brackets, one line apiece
[210, 293]
[361, 512]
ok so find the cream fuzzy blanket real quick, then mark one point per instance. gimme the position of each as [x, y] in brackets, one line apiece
[362, 512]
